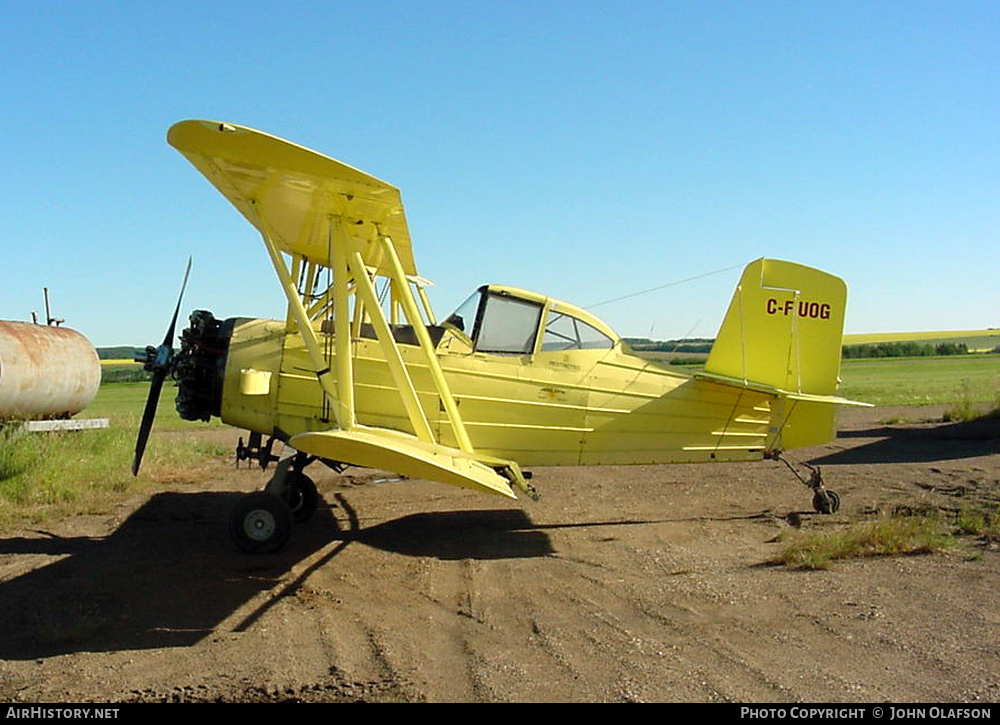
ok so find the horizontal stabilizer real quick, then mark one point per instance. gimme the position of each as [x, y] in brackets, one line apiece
[757, 387]
[400, 453]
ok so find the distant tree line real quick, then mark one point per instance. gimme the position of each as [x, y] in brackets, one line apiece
[904, 349]
[867, 350]
[693, 345]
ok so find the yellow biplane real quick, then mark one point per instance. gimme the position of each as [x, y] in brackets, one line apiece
[361, 373]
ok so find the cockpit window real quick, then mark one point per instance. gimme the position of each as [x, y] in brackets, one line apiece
[508, 325]
[464, 318]
[499, 322]
[565, 332]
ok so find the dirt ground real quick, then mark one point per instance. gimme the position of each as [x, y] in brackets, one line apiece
[621, 584]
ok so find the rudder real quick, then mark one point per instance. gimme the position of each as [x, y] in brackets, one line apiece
[783, 329]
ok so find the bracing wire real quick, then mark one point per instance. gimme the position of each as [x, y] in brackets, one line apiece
[664, 286]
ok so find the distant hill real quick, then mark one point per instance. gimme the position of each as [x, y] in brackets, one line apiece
[116, 353]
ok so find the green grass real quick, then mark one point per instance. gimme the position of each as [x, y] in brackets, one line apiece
[969, 406]
[45, 475]
[969, 382]
[894, 534]
[923, 381]
[118, 372]
[123, 403]
[979, 520]
[884, 536]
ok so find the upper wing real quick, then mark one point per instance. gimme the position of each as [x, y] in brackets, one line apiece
[293, 194]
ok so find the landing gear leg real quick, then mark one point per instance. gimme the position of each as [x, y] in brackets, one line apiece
[262, 521]
[292, 485]
[824, 500]
[513, 473]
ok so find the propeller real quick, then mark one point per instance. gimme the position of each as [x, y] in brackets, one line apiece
[159, 361]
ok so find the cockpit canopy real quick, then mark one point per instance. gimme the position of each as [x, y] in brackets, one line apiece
[507, 321]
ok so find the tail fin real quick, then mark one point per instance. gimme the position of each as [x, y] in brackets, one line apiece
[783, 330]
[782, 335]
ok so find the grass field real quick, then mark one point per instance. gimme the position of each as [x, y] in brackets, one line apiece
[923, 381]
[123, 403]
[950, 380]
[70, 472]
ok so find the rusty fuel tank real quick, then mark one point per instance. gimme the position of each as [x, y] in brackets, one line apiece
[45, 371]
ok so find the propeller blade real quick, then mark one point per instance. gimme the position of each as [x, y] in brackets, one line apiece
[169, 337]
[147, 420]
[160, 371]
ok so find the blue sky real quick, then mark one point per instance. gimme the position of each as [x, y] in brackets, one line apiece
[583, 149]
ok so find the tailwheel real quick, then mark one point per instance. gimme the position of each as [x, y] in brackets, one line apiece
[260, 523]
[826, 501]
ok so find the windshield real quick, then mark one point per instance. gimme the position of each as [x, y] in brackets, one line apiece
[508, 325]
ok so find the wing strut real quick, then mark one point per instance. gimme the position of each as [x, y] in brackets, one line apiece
[345, 418]
[349, 266]
[400, 377]
[412, 314]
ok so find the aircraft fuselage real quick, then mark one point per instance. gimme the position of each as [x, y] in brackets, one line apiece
[548, 400]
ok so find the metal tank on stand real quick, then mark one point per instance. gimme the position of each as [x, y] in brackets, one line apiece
[47, 372]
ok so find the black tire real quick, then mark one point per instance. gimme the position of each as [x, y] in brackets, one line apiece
[301, 496]
[260, 523]
[830, 506]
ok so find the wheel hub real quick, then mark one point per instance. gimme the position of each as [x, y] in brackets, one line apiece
[259, 525]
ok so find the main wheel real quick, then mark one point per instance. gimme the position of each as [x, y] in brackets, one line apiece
[260, 523]
[301, 496]
[830, 506]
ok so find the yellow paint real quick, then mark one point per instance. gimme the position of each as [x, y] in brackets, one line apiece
[528, 380]
[255, 382]
[393, 451]
[295, 189]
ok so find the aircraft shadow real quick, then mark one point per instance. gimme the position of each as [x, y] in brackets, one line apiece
[166, 577]
[499, 534]
[918, 445]
[170, 575]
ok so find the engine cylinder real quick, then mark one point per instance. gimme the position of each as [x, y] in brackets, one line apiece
[200, 366]
[45, 371]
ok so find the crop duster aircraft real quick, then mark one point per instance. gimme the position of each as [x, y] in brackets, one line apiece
[361, 373]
